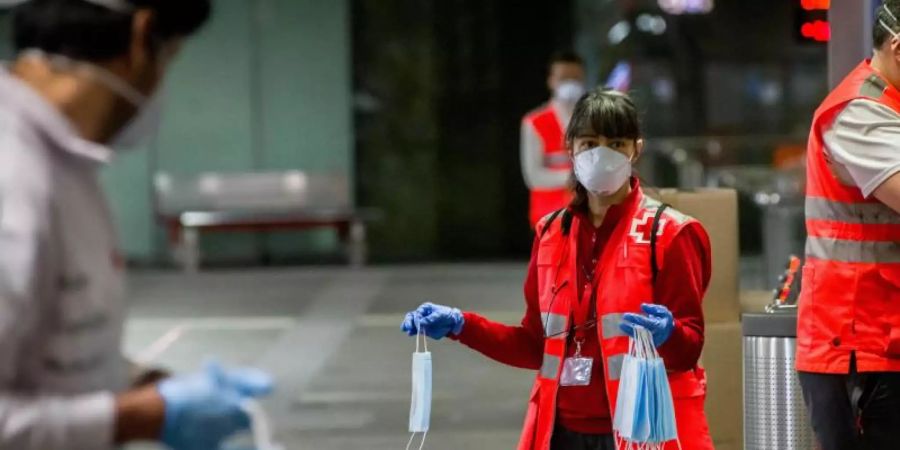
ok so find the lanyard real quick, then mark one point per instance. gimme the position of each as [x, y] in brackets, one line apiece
[585, 312]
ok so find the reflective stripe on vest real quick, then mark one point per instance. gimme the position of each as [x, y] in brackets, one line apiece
[558, 160]
[841, 250]
[860, 213]
[614, 366]
[554, 325]
[550, 366]
[610, 323]
[670, 213]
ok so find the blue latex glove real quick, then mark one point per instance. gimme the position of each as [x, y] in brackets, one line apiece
[658, 320]
[203, 410]
[437, 321]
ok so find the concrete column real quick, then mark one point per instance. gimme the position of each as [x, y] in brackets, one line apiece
[851, 36]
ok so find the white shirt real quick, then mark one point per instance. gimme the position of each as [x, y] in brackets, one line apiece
[864, 144]
[61, 282]
[531, 152]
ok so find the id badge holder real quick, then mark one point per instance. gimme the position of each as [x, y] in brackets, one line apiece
[577, 369]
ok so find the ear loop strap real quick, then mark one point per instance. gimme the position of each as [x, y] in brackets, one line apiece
[890, 30]
[97, 73]
[411, 438]
[419, 333]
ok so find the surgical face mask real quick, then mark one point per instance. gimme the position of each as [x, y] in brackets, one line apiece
[143, 126]
[602, 170]
[420, 407]
[569, 91]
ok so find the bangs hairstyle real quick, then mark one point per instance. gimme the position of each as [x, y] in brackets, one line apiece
[602, 112]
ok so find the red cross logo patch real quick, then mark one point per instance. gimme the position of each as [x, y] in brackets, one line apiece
[642, 227]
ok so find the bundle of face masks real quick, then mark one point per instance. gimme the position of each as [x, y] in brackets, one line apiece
[645, 412]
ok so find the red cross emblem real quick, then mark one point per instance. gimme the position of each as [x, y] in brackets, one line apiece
[641, 228]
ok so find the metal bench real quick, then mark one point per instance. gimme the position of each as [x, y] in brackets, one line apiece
[257, 202]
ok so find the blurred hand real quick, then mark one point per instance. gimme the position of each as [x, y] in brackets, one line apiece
[205, 409]
[436, 321]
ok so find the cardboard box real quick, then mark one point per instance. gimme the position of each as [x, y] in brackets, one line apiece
[717, 210]
[723, 359]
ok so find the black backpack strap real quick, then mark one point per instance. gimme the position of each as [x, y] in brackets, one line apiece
[566, 222]
[654, 230]
[550, 221]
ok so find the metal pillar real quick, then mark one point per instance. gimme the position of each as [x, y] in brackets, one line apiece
[851, 36]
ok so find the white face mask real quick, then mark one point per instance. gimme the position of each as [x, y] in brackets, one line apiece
[143, 126]
[569, 92]
[420, 407]
[602, 170]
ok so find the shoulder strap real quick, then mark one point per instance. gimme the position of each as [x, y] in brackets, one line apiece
[654, 230]
[550, 222]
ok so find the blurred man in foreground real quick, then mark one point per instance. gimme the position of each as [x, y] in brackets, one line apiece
[86, 84]
[848, 336]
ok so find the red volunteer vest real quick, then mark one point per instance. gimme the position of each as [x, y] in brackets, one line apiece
[549, 128]
[850, 301]
[625, 282]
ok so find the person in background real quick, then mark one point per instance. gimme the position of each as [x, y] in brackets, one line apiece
[590, 281]
[85, 84]
[848, 331]
[545, 163]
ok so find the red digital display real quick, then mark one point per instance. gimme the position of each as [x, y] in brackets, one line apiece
[815, 5]
[819, 31]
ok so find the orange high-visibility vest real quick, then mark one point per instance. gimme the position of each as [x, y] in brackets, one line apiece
[549, 128]
[850, 301]
[625, 281]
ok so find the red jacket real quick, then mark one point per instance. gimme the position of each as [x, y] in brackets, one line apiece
[680, 287]
[548, 127]
[850, 301]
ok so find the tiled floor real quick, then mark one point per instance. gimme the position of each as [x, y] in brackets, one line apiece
[331, 337]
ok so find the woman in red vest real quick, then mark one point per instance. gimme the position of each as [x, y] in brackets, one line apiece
[594, 274]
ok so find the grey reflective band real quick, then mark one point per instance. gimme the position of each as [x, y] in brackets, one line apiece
[554, 325]
[859, 213]
[873, 87]
[853, 251]
[550, 366]
[121, 6]
[610, 324]
[614, 366]
[555, 159]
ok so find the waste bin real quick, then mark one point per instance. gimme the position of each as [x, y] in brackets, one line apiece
[774, 414]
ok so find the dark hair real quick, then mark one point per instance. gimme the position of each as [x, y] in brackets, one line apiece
[879, 34]
[565, 57]
[83, 30]
[604, 112]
